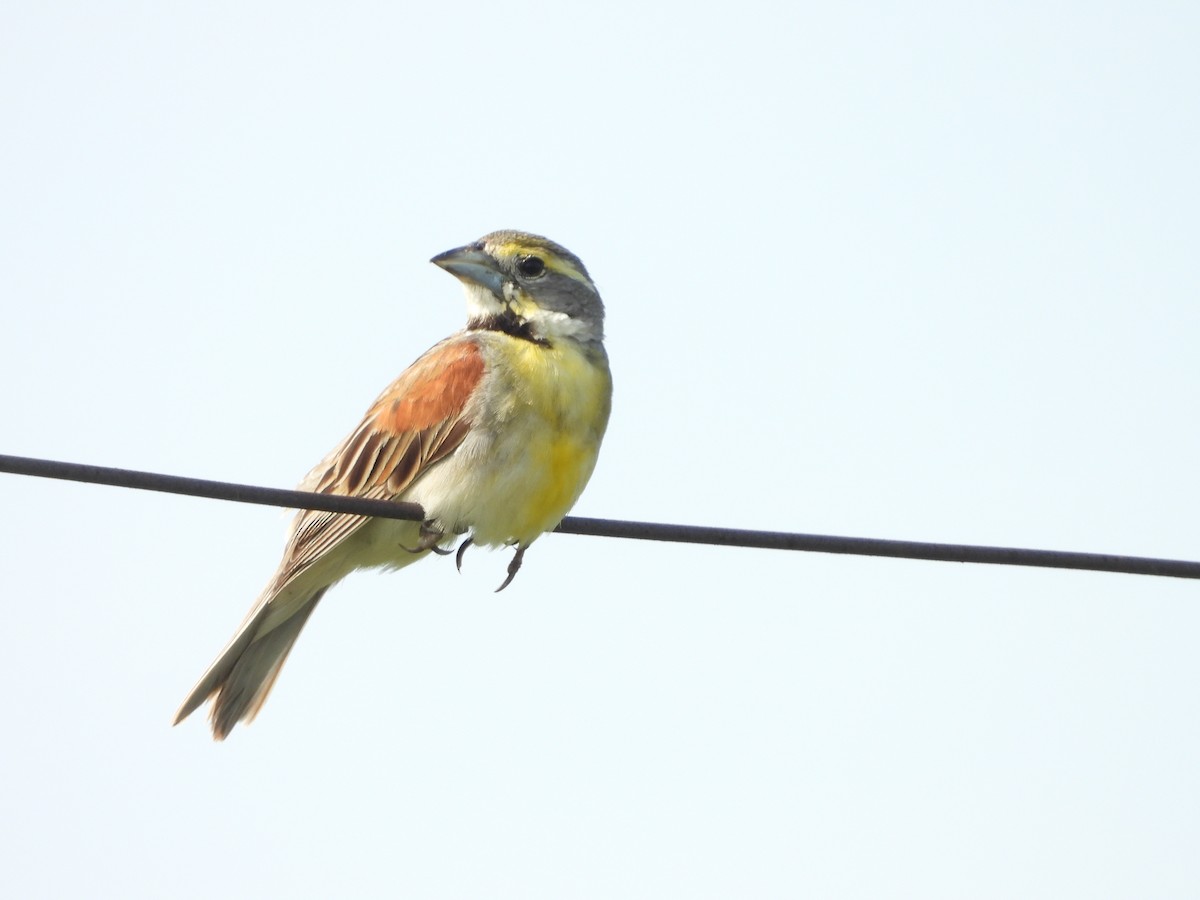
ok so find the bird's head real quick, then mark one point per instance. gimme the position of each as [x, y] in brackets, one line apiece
[528, 285]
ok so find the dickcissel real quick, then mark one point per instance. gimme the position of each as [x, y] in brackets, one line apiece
[494, 432]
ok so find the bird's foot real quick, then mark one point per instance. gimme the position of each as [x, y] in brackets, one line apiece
[429, 540]
[514, 566]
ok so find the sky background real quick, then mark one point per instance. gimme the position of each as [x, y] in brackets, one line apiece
[923, 271]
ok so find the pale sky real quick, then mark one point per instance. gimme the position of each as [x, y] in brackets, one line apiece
[924, 271]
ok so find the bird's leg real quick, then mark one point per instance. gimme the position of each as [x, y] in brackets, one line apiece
[462, 548]
[430, 537]
[514, 566]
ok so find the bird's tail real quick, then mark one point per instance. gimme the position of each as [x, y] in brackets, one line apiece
[242, 676]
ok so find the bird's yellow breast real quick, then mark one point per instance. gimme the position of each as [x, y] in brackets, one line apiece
[557, 402]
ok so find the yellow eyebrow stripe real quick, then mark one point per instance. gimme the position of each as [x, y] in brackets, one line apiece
[552, 260]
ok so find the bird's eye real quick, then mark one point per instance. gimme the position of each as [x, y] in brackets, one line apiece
[530, 266]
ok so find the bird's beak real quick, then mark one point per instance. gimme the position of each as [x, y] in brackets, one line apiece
[470, 264]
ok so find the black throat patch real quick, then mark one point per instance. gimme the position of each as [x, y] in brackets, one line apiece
[509, 323]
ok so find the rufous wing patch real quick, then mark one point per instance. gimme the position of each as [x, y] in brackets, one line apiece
[433, 390]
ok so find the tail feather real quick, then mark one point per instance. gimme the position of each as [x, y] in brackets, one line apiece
[242, 676]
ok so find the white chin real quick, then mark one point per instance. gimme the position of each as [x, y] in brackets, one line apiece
[481, 303]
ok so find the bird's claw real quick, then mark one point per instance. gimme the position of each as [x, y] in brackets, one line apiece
[462, 548]
[429, 540]
[514, 566]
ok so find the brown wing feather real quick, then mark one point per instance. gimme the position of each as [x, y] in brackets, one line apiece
[419, 420]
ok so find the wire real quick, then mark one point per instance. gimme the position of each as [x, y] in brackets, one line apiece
[644, 531]
[214, 490]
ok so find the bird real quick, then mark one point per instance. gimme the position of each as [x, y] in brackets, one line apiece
[494, 431]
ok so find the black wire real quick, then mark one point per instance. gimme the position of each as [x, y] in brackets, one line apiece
[645, 531]
[825, 543]
[201, 487]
